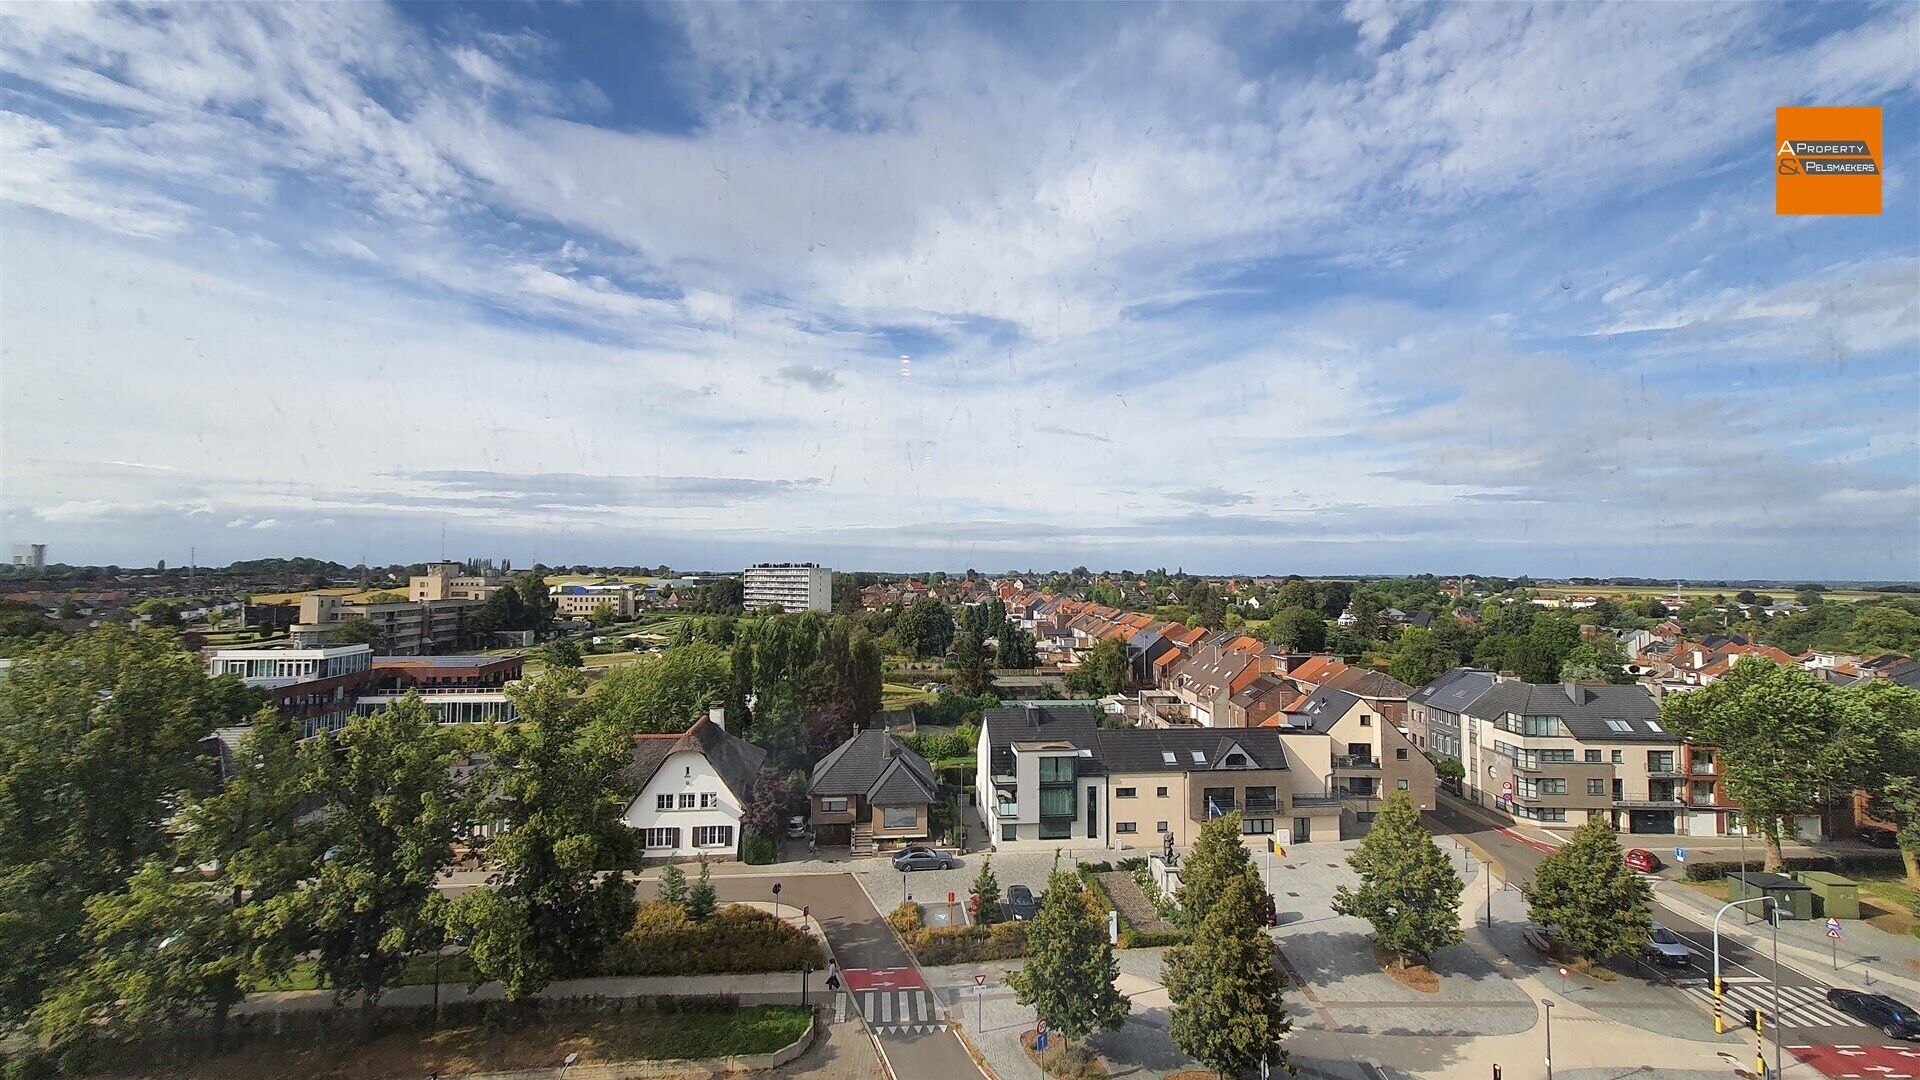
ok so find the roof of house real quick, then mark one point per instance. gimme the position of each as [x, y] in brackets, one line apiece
[735, 760]
[1455, 690]
[874, 765]
[1187, 749]
[1421, 618]
[1320, 710]
[1598, 712]
[1367, 683]
[1074, 725]
[1318, 669]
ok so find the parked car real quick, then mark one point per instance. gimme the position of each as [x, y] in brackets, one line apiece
[1885, 838]
[1896, 1020]
[796, 827]
[923, 858]
[1664, 947]
[1020, 905]
[1642, 860]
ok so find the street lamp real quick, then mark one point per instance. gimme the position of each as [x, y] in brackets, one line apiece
[1718, 1026]
[776, 899]
[1548, 1002]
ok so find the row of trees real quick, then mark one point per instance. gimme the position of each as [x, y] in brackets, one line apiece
[1223, 983]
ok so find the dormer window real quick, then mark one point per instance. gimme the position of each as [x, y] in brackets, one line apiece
[1235, 761]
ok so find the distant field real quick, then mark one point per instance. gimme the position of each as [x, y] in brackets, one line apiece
[1642, 591]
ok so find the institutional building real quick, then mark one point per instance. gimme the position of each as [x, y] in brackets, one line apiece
[788, 586]
[30, 556]
[449, 581]
[580, 601]
[412, 627]
[321, 689]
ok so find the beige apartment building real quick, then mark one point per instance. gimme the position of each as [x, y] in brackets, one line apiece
[581, 601]
[412, 628]
[449, 581]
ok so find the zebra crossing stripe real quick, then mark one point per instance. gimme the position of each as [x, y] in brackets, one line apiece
[1803, 1006]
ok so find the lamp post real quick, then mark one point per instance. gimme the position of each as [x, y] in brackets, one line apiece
[1779, 1021]
[1718, 1026]
[776, 899]
[1548, 1002]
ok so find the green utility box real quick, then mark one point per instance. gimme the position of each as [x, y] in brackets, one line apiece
[1794, 900]
[1834, 897]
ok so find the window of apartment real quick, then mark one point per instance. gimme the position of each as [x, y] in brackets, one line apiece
[660, 838]
[1160, 793]
[1235, 761]
[1125, 827]
[1161, 826]
[1124, 793]
[1619, 757]
[1056, 828]
[1593, 757]
[1400, 784]
[709, 800]
[663, 802]
[713, 836]
[1620, 726]
[1260, 826]
[1400, 753]
[686, 800]
[899, 817]
[833, 806]
[1056, 802]
[1597, 788]
[1009, 832]
[1541, 813]
[1365, 720]
[1056, 770]
[1659, 761]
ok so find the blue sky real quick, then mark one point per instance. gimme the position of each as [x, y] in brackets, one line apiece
[1361, 288]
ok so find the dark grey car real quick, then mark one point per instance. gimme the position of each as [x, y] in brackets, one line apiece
[923, 858]
[1020, 905]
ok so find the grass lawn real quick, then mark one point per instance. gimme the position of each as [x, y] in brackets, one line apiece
[1886, 902]
[600, 1038]
[454, 970]
[895, 695]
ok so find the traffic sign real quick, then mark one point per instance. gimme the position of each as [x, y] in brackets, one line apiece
[1679, 854]
[1833, 928]
[949, 896]
[980, 979]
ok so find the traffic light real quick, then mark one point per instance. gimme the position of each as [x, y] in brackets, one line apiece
[1753, 1019]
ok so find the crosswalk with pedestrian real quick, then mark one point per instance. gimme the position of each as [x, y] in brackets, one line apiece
[1802, 1006]
[900, 1012]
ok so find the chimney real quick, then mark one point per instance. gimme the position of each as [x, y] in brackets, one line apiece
[1574, 693]
[717, 715]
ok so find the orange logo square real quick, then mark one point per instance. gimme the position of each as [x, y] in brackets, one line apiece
[1826, 160]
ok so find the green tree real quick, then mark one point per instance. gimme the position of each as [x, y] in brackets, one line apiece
[987, 887]
[1418, 659]
[562, 653]
[1885, 628]
[673, 886]
[664, 693]
[359, 632]
[1296, 629]
[1217, 860]
[1070, 969]
[700, 897]
[1102, 670]
[389, 808]
[1778, 730]
[1596, 904]
[968, 663]
[925, 628]
[551, 789]
[537, 604]
[603, 615]
[1225, 989]
[1408, 889]
[160, 612]
[1015, 649]
[100, 737]
[1886, 716]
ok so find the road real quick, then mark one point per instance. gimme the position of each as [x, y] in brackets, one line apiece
[1813, 1027]
[879, 974]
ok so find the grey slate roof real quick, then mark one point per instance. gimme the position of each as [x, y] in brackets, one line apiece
[874, 765]
[1587, 711]
[1455, 690]
[1367, 683]
[1074, 724]
[1144, 749]
[1319, 710]
[736, 760]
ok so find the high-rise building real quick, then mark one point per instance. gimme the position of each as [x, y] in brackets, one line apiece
[788, 586]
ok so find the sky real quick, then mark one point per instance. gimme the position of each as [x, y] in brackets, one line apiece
[1276, 289]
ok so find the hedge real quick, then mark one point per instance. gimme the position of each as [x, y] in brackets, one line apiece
[1849, 862]
[734, 939]
[1131, 937]
[969, 944]
[757, 850]
[905, 919]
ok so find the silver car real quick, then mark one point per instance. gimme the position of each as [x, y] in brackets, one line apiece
[1664, 947]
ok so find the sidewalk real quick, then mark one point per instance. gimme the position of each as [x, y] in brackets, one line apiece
[1869, 958]
[778, 988]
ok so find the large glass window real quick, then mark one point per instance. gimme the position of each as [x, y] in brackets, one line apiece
[1056, 828]
[899, 817]
[1056, 802]
[1056, 770]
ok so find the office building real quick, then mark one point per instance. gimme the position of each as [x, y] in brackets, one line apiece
[580, 601]
[788, 586]
[321, 689]
[412, 627]
[29, 556]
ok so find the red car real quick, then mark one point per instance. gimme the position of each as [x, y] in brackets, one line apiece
[1642, 860]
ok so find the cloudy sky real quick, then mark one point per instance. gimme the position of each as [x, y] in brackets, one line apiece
[1283, 288]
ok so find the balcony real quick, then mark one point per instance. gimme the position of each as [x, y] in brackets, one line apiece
[1262, 806]
[1328, 799]
[1360, 762]
[1706, 768]
[1668, 772]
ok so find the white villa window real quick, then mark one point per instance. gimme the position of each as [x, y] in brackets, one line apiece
[686, 800]
[709, 800]
[713, 836]
[663, 802]
[660, 838]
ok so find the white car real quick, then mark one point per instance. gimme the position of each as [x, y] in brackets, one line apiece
[796, 827]
[1664, 947]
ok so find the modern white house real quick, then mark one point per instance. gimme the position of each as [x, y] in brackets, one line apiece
[692, 786]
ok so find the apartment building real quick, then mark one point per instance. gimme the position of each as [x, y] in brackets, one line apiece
[321, 689]
[1051, 776]
[1433, 711]
[580, 601]
[788, 586]
[30, 556]
[449, 581]
[412, 627]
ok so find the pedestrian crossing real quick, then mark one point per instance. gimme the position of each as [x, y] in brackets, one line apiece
[900, 1012]
[1803, 1006]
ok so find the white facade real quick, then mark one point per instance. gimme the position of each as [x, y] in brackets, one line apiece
[272, 668]
[30, 556]
[789, 586]
[686, 811]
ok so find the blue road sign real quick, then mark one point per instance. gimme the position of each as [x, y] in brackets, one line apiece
[1679, 854]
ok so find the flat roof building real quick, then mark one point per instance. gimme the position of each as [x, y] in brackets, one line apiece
[787, 586]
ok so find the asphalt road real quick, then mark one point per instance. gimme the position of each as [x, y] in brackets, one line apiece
[1749, 973]
[860, 938]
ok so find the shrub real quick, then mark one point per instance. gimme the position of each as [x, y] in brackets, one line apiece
[1846, 863]
[665, 941]
[757, 850]
[969, 944]
[1138, 862]
[905, 919]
